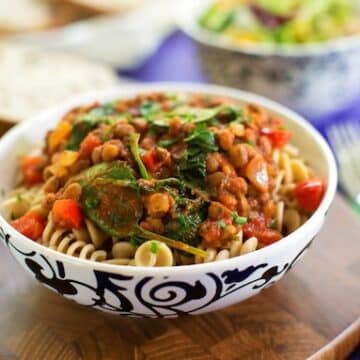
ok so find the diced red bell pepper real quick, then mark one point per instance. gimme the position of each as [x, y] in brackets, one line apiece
[31, 225]
[278, 137]
[150, 161]
[31, 169]
[67, 213]
[90, 142]
[309, 193]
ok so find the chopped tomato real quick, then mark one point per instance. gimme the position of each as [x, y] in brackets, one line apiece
[31, 225]
[90, 142]
[31, 169]
[309, 193]
[67, 213]
[278, 137]
[257, 227]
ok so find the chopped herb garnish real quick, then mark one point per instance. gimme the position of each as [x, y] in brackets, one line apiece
[238, 220]
[19, 197]
[252, 143]
[273, 224]
[221, 224]
[154, 247]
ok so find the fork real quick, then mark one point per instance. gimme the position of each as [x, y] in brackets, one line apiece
[345, 141]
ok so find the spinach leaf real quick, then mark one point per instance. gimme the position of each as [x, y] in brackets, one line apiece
[78, 134]
[116, 170]
[161, 119]
[230, 113]
[202, 139]
[116, 206]
[192, 165]
[113, 205]
[148, 109]
[195, 115]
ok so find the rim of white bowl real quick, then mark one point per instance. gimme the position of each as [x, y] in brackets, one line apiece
[187, 20]
[128, 90]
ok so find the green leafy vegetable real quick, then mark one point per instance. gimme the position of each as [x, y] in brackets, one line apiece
[168, 142]
[116, 170]
[148, 109]
[134, 148]
[194, 115]
[136, 240]
[230, 113]
[185, 113]
[116, 206]
[202, 139]
[78, 134]
[192, 165]
[88, 122]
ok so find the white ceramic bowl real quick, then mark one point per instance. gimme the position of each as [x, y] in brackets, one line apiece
[167, 291]
[315, 80]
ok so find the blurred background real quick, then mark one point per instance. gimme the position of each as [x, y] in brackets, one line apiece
[304, 54]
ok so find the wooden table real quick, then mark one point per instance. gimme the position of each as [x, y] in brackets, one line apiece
[314, 311]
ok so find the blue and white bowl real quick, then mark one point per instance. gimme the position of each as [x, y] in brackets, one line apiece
[315, 80]
[165, 291]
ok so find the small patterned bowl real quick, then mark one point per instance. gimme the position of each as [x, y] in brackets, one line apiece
[167, 291]
[315, 80]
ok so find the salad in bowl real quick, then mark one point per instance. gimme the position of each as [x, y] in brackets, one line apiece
[246, 23]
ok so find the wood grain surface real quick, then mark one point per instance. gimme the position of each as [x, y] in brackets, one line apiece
[313, 312]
